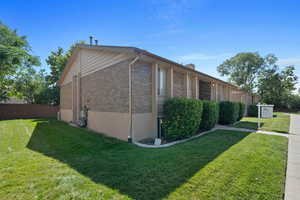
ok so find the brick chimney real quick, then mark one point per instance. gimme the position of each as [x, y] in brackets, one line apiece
[191, 66]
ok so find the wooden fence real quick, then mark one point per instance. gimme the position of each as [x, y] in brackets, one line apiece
[15, 111]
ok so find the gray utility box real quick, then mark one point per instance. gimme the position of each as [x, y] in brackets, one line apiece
[266, 111]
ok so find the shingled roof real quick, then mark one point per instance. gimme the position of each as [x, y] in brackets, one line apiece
[136, 51]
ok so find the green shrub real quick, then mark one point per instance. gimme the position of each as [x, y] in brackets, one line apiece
[252, 110]
[229, 112]
[182, 118]
[241, 110]
[218, 111]
[210, 115]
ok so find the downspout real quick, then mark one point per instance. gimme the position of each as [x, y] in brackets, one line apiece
[130, 137]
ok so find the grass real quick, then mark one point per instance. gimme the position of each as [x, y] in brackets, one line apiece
[295, 113]
[47, 159]
[279, 123]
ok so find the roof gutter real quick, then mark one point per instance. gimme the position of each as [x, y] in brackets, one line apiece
[183, 67]
[131, 135]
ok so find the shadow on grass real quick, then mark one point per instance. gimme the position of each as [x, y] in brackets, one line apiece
[248, 125]
[140, 173]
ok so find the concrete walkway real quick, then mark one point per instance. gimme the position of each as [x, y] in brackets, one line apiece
[292, 184]
[222, 127]
[217, 127]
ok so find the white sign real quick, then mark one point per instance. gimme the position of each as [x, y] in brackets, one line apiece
[266, 111]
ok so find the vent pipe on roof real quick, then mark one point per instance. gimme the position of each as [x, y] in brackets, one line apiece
[96, 42]
[91, 40]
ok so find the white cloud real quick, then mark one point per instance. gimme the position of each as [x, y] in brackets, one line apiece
[201, 56]
[171, 14]
[289, 61]
[170, 10]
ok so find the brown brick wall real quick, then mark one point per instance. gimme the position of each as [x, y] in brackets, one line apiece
[66, 96]
[13, 111]
[235, 96]
[142, 87]
[107, 90]
[178, 85]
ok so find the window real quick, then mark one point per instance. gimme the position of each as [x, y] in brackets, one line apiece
[162, 79]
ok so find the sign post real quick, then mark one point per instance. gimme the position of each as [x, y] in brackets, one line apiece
[264, 111]
[259, 114]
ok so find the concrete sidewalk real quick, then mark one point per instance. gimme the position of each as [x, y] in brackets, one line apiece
[222, 127]
[292, 184]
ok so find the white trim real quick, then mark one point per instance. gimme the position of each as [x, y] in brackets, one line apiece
[173, 143]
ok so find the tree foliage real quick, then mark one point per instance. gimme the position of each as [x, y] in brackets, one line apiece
[243, 68]
[15, 57]
[294, 102]
[30, 85]
[57, 61]
[276, 86]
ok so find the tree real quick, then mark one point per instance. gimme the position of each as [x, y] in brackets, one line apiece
[15, 57]
[243, 68]
[276, 87]
[30, 86]
[57, 62]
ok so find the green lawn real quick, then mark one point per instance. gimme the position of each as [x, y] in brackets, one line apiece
[279, 123]
[47, 159]
[295, 113]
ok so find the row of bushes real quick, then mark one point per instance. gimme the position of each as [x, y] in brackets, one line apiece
[210, 116]
[252, 110]
[231, 112]
[184, 117]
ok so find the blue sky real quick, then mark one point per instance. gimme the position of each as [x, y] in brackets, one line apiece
[202, 32]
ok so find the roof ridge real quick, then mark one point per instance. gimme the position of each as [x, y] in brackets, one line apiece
[139, 50]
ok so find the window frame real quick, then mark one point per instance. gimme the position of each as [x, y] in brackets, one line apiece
[161, 82]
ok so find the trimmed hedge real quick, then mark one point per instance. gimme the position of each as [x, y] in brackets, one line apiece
[210, 115]
[229, 112]
[182, 118]
[241, 110]
[252, 110]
